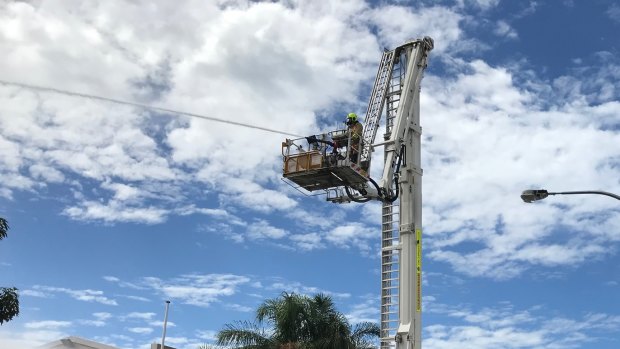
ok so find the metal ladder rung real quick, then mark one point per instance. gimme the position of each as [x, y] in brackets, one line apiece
[395, 287]
[389, 264]
[391, 237]
[388, 296]
[388, 321]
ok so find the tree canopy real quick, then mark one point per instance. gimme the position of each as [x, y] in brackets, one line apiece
[4, 228]
[9, 304]
[9, 299]
[298, 322]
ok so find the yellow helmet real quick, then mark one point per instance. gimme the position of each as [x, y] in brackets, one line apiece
[352, 117]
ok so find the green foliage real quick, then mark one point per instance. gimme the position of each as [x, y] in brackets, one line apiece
[9, 299]
[209, 346]
[4, 228]
[9, 304]
[298, 322]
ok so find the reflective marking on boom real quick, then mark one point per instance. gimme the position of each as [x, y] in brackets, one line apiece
[418, 263]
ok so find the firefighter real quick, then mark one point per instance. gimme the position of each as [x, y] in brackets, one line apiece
[355, 132]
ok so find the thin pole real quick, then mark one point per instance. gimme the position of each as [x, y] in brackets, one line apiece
[587, 192]
[163, 337]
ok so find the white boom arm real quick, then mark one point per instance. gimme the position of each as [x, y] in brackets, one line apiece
[402, 251]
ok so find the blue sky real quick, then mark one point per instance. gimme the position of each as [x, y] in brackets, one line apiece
[115, 209]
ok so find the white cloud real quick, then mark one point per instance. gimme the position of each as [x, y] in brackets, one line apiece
[263, 230]
[239, 307]
[505, 327]
[198, 289]
[140, 330]
[308, 242]
[398, 23]
[139, 315]
[352, 235]
[304, 58]
[46, 173]
[35, 293]
[367, 311]
[481, 4]
[96, 323]
[296, 287]
[208, 335]
[160, 324]
[485, 4]
[81, 295]
[514, 141]
[102, 315]
[504, 29]
[29, 339]
[100, 319]
[135, 298]
[121, 283]
[614, 12]
[47, 324]
[115, 211]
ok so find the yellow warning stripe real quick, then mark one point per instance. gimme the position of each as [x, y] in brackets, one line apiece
[418, 234]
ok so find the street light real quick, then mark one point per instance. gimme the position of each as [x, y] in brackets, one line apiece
[532, 195]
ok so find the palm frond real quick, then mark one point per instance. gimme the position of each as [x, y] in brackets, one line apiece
[363, 333]
[243, 334]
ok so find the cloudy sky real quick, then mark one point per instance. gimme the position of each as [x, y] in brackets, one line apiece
[114, 209]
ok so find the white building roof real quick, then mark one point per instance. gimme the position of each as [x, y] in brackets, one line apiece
[76, 343]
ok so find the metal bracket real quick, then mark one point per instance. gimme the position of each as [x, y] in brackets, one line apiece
[416, 128]
[407, 228]
[416, 170]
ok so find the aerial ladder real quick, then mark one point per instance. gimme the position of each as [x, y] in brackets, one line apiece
[323, 163]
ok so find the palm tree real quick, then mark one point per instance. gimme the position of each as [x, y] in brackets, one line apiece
[298, 322]
[9, 299]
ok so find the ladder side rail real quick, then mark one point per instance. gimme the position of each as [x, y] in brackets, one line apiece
[389, 274]
[393, 96]
[390, 256]
[375, 105]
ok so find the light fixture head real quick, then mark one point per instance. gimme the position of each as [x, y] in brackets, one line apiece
[532, 195]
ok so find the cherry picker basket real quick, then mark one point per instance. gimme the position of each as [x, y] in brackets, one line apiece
[321, 162]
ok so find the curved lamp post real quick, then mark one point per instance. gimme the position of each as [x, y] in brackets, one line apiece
[532, 195]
